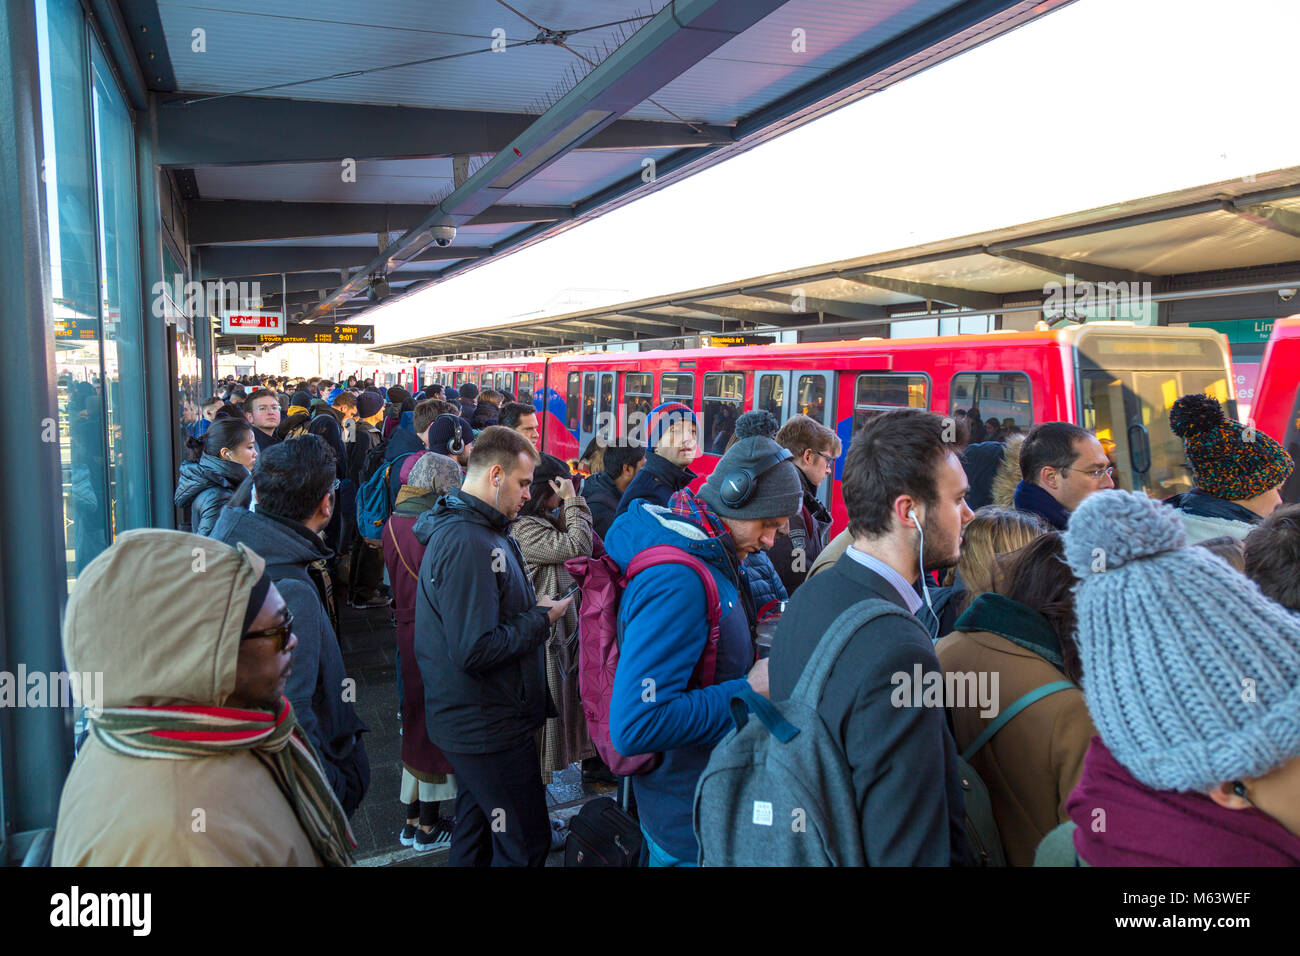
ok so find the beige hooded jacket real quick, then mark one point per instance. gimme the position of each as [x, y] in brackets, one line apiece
[160, 615]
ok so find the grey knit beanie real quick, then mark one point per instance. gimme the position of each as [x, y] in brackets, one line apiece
[779, 493]
[1191, 675]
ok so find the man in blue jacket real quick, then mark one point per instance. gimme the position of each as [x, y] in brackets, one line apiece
[672, 437]
[656, 705]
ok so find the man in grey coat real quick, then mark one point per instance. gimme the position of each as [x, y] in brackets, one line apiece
[904, 490]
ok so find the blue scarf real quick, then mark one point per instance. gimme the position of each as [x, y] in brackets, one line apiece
[1031, 498]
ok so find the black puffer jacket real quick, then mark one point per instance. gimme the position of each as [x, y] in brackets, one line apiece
[204, 487]
[479, 635]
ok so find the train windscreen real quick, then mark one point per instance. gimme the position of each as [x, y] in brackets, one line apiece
[1128, 383]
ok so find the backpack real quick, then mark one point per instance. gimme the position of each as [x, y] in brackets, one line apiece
[373, 502]
[783, 769]
[602, 584]
[981, 826]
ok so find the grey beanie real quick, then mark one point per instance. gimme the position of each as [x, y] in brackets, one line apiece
[1191, 675]
[779, 493]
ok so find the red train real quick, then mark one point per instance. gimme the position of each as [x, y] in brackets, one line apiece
[1276, 409]
[1113, 379]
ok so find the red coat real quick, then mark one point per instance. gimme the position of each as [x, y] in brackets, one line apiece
[402, 555]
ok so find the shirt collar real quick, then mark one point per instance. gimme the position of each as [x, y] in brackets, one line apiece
[905, 590]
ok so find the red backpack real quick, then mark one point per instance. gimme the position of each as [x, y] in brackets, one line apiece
[602, 586]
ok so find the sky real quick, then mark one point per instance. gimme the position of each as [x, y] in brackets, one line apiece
[1101, 102]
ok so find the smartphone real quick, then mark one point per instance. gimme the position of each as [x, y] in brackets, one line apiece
[569, 593]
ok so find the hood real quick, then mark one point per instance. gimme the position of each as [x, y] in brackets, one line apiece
[207, 471]
[1007, 476]
[277, 541]
[401, 442]
[600, 484]
[458, 507]
[188, 651]
[1202, 505]
[645, 525]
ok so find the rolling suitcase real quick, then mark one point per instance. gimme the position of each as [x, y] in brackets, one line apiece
[604, 834]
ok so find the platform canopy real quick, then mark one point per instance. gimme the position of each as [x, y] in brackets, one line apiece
[314, 152]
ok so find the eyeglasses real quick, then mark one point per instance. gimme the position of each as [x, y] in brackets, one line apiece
[280, 633]
[829, 459]
[1096, 475]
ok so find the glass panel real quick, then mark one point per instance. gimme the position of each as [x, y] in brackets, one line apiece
[812, 397]
[771, 395]
[74, 286]
[119, 276]
[525, 388]
[638, 395]
[677, 387]
[606, 416]
[875, 393]
[588, 403]
[995, 404]
[506, 384]
[724, 395]
[571, 404]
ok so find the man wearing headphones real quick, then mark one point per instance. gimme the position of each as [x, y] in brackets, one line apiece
[453, 437]
[660, 702]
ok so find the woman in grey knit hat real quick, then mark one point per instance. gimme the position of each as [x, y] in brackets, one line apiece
[1192, 677]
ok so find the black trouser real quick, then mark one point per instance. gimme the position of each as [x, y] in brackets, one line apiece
[501, 817]
[367, 569]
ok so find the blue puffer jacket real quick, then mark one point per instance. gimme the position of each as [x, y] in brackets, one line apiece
[764, 582]
[663, 629]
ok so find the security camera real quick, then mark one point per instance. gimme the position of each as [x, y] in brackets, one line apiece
[443, 230]
[1286, 295]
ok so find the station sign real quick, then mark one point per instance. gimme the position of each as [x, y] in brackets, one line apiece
[1240, 331]
[298, 333]
[252, 322]
[725, 341]
[82, 330]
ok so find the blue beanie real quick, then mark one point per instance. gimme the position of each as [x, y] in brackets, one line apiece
[662, 417]
[1191, 675]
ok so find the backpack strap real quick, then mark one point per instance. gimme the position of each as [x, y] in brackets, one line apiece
[389, 528]
[812, 682]
[668, 554]
[1002, 719]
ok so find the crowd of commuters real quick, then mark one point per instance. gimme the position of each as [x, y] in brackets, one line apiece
[1136, 661]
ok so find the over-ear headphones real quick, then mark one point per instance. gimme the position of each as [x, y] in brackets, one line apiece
[739, 485]
[455, 445]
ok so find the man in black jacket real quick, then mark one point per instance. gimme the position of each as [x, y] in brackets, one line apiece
[294, 484]
[815, 449]
[480, 635]
[604, 490]
[905, 493]
[367, 566]
[673, 439]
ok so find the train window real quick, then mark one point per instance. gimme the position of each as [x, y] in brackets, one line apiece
[724, 396]
[606, 416]
[874, 394]
[811, 397]
[995, 404]
[572, 403]
[638, 397]
[589, 404]
[525, 388]
[504, 383]
[771, 396]
[677, 387]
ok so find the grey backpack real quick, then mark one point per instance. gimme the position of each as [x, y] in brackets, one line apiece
[777, 791]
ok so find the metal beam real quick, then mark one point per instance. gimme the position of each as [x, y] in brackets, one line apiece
[244, 220]
[319, 281]
[730, 312]
[1088, 271]
[1285, 221]
[272, 260]
[675, 39]
[215, 132]
[850, 310]
[693, 323]
[967, 298]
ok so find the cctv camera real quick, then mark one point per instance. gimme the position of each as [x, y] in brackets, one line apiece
[1286, 295]
[443, 230]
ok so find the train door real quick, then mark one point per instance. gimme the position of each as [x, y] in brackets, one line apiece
[598, 416]
[785, 393]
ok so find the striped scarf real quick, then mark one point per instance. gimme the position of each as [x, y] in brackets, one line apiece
[189, 732]
[687, 505]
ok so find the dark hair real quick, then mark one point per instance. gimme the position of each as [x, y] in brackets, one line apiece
[292, 477]
[499, 446]
[1273, 554]
[435, 387]
[512, 412]
[262, 393]
[1049, 445]
[229, 411]
[618, 457]
[898, 453]
[1038, 577]
[222, 433]
[210, 401]
[237, 392]
[426, 413]
[548, 467]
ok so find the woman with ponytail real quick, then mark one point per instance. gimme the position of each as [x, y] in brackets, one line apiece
[224, 457]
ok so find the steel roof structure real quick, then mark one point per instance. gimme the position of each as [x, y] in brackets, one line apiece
[1227, 238]
[322, 141]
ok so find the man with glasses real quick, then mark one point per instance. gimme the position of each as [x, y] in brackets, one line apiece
[815, 448]
[294, 489]
[263, 411]
[1060, 465]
